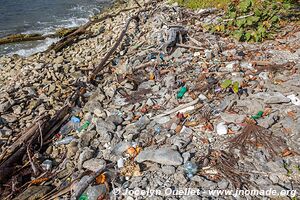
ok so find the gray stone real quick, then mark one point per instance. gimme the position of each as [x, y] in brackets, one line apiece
[274, 178]
[162, 120]
[178, 53]
[164, 156]
[121, 147]
[108, 125]
[186, 156]
[169, 170]
[86, 138]
[5, 106]
[94, 164]
[272, 97]
[86, 154]
[269, 120]
[10, 118]
[232, 118]
[116, 119]
[223, 184]
[250, 106]
[5, 132]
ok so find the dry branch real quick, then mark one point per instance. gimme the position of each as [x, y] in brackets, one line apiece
[115, 46]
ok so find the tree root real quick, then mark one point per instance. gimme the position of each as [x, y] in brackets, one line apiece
[254, 135]
[226, 163]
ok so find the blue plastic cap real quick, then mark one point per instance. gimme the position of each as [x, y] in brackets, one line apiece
[75, 119]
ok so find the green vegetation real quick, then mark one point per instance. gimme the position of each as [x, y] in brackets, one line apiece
[195, 4]
[248, 20]
[253, 21]
[229, 84]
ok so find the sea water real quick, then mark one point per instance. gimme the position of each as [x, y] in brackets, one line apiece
[44, 17]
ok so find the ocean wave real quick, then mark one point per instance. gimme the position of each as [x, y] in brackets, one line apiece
[39, 48]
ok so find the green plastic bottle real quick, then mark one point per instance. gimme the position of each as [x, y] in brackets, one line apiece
[84, 197]
[84, 126]
[181, 92]
[258, 115]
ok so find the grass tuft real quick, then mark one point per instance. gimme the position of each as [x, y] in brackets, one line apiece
[196, 4]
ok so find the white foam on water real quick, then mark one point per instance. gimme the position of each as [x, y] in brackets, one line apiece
[39, 48]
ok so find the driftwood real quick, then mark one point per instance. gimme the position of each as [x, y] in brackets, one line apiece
[42, 127]
[115, 46]
[24, 37]
[181, 107]
[73, 37]
[16, 38]
[189, 46]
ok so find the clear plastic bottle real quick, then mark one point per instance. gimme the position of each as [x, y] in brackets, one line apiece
[73, 124]
[47, 165]
[65, 140]
[190, 168]
[157, 129]
[93, 192]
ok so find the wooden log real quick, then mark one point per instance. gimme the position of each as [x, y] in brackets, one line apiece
[23, 38]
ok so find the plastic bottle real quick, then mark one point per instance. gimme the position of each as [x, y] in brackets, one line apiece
[73, 124]
[190, 168]
[181, 92]
[258, 115]
[66, 140]
[47, 165]
[83, 127]
[157, 129]
[93, 192]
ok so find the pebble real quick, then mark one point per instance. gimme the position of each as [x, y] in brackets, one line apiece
[165, 156]
[169, 170]
[272, 97]
[232, 118]
[94, 164]
[5, 106]
[162, 120]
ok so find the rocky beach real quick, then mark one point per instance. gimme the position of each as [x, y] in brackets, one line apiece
[144, 97]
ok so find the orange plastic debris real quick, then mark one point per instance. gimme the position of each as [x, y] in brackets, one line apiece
[151, 76]
[132, 151]
[138, 150]
[291, 114]
[287, 152]
[101, 179]
[39, 180]
[192, 124]
[178, 128]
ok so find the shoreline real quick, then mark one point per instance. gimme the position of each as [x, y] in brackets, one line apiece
[31, 41]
